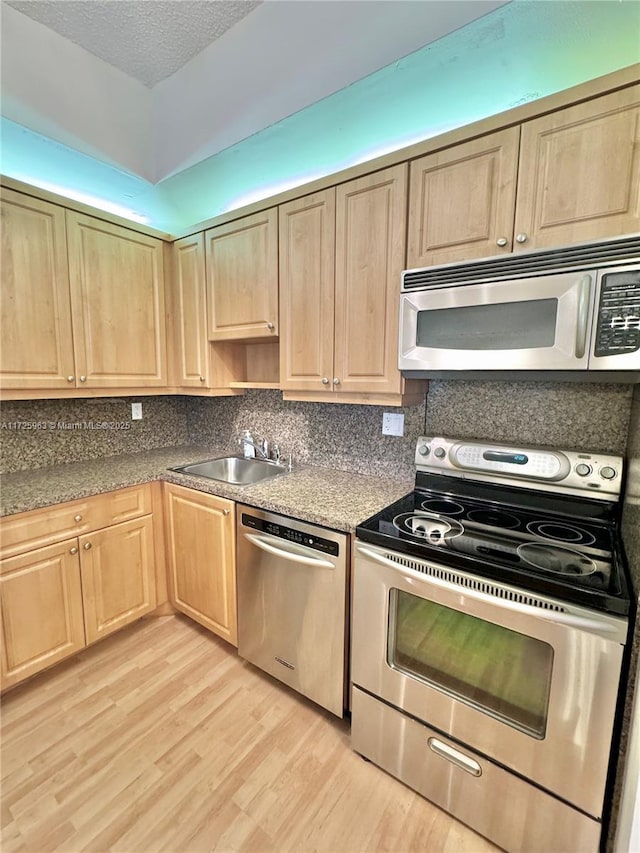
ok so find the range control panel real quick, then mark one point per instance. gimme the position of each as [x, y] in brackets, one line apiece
[291, 534]
[571, 471]
[618, 329]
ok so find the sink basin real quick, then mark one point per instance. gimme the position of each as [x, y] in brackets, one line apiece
[234, 470]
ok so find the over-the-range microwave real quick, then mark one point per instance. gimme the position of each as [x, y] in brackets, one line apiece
[574, 311]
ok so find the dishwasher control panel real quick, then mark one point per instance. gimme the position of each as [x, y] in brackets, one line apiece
[326, 546]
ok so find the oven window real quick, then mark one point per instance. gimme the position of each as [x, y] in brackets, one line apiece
[528, 324]
[493, 668]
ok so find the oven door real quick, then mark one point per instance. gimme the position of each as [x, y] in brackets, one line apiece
[540, 323]
[493, 667]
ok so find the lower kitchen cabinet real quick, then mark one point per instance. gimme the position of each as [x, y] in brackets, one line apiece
[41, 614]
[200, 533]
[73, 573]
[118, 576]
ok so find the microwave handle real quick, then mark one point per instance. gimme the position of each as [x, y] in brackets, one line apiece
[582, 320]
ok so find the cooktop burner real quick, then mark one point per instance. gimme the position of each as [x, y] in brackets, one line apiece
[565, 548]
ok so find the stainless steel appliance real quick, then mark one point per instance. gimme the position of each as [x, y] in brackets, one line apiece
[573, 311]
[490, 617]
[291, 603]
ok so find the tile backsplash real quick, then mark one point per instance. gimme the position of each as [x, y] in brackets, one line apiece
[586, 416]
[37, 433]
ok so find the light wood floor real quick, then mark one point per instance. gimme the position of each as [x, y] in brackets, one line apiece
[161, 738]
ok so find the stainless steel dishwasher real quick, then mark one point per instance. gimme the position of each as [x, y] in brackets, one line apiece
[291, 603]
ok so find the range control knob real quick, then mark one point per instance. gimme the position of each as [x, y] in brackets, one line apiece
[440, 452]
[608, 472]
[583, 470]
[424, 450]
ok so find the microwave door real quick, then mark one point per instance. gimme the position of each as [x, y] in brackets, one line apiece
[540, 323]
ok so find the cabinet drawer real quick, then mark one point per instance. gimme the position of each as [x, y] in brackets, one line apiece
[28, 530]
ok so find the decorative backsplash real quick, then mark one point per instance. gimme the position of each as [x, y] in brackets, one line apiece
[37, 433]
[49, 432]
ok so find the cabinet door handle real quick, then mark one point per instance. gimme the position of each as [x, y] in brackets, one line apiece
[325, 380]
[226, 511]
[202, 379]
[77, 518]
[336, 381]
[71, 378]
[270, 326]
[502, 241]
[83, 379]
[73, 550]
[521, 238]
[87, 546]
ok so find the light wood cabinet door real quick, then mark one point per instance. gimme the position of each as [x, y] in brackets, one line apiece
[200, 532]
[35, 322]
[242, 278]
[40, 610]
[307, 283]
[117, 293]
[370, 256]
[118, 576]
[579, 176]
[189, 313]
[462, 201]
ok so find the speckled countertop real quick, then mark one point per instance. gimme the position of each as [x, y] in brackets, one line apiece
[336, 499]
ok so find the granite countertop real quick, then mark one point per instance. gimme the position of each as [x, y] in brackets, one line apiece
[336, 499]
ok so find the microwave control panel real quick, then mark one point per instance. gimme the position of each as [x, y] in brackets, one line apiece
[618, 329]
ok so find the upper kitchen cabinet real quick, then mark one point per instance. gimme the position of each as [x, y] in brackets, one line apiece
[188, 312]
[242, 278]
[341, 255]
[576, 178]
[579, 174]
[117, 296]
[36, 340]
[462, 200]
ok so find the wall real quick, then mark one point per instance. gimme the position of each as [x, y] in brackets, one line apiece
[34, 434]
[49, 432]
[627, 790]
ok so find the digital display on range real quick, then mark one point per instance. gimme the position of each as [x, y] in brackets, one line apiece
[503, 456]
[290, 534]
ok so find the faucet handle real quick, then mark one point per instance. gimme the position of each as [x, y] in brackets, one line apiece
[275, 452]
[264, 446]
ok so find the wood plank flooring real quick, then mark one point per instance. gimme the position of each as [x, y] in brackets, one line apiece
[161, 739]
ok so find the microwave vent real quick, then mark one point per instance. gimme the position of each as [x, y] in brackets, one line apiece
[546, 262]
[469, 582]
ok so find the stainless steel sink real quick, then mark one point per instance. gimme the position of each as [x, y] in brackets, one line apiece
[234, 470]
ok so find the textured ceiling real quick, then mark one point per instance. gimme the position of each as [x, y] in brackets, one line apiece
[147, 39]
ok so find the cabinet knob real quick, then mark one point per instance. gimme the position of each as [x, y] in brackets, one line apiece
[521, 238]
[270, 326]
[226, 511]
[87, 546]
[73, 550]
[502, 241]
[71, 378]
[83, 379]
[336, 381]
[325, 380]
[77, 518]
[202, 379]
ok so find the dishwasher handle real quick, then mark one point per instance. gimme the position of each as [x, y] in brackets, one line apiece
[292, 552]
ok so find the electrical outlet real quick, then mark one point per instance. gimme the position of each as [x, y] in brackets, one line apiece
[392, 423]
[136, 411]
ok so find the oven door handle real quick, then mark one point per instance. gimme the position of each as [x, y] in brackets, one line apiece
[604, 627]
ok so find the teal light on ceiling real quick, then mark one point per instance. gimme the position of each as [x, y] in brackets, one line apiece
[525, 50]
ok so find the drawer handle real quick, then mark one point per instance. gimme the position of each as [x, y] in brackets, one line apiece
[77, 518]
[87, 546]
[73, 550]
[458, 758]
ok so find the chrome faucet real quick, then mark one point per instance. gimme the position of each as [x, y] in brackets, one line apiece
[262, 447]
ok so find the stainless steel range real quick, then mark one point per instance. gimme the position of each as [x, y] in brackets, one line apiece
[490, 617]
